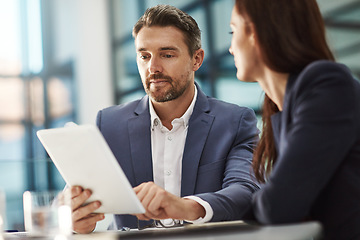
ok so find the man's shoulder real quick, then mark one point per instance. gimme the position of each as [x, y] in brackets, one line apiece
[232, 117]
[122, 108]
[221, 106]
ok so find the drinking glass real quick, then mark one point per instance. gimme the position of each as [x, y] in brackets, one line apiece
[47, 213]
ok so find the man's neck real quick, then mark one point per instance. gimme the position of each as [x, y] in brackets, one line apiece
[168, 111]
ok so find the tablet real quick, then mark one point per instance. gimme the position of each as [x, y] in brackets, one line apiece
[82, 156]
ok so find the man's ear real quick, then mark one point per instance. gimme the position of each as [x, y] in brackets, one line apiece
[198, 59]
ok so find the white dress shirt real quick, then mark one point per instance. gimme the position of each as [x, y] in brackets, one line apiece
[167, 152]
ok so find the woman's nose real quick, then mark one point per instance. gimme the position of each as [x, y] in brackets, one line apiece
[230, 50]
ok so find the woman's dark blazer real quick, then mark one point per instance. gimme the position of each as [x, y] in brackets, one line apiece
[317, 172]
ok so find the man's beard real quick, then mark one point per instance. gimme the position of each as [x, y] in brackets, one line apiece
[174, 92]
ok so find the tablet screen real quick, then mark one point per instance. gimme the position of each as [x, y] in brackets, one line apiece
[82, 156]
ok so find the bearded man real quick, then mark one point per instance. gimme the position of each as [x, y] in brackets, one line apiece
[188, 156]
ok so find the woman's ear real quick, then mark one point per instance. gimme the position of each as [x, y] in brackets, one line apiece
[198, 59]
[253, 37]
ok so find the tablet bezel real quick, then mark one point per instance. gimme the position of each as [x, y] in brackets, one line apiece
[83, 158]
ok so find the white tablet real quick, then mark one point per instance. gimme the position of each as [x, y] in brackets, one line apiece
[83, 158]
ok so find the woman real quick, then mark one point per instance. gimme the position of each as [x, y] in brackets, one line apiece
[311, 116]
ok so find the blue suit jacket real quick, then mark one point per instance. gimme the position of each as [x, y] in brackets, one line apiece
[217, 157]
[317, 173]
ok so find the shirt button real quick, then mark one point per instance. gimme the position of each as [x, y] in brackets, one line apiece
[169, 138]
[156, 122]
[168, 173]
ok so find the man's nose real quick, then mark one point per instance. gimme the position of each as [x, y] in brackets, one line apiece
[155, 65]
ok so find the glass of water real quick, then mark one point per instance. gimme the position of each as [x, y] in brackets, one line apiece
[47, 213]
[2, 212]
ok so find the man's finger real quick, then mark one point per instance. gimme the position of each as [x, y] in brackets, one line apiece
[75, 191]
[142, 189]
[138, 188]
[88, 223]
[154, 206]
[146, 196]
[142, 217]
[83, 212]
[80, 199]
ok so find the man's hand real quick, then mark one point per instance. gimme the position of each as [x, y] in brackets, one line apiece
[160, 204]
[84, 220]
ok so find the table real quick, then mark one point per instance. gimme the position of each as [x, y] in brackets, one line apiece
[235, 230]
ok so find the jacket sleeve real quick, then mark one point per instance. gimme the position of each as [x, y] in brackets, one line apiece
[234, 199]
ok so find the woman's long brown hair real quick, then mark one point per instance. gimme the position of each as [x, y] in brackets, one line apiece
[291, 34]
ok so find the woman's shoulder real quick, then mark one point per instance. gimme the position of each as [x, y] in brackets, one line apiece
[323, 72]
[325, 68]
[324, 81]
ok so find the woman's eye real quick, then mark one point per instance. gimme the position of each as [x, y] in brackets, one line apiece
[231, 32]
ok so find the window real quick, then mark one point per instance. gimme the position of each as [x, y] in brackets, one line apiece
[35, 93]
[342, 21]
[217, 75]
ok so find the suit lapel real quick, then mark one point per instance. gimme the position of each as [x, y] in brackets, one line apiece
[199, 128]
[140, 143]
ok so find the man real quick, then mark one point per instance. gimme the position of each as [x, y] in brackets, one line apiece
[175, 141]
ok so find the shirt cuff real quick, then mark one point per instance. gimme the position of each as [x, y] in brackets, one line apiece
[209, 213]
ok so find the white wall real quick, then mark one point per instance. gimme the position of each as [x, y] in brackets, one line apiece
[81, 32]
[93, 61]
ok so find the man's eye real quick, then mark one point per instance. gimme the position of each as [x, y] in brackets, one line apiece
[168, 56]
[231, 32]
[144, 57]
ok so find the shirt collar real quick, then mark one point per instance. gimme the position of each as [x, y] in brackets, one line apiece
[155, 120]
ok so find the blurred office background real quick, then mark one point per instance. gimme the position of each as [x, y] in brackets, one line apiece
[63, 60]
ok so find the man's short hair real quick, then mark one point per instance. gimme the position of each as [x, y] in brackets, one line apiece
[166, 15]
